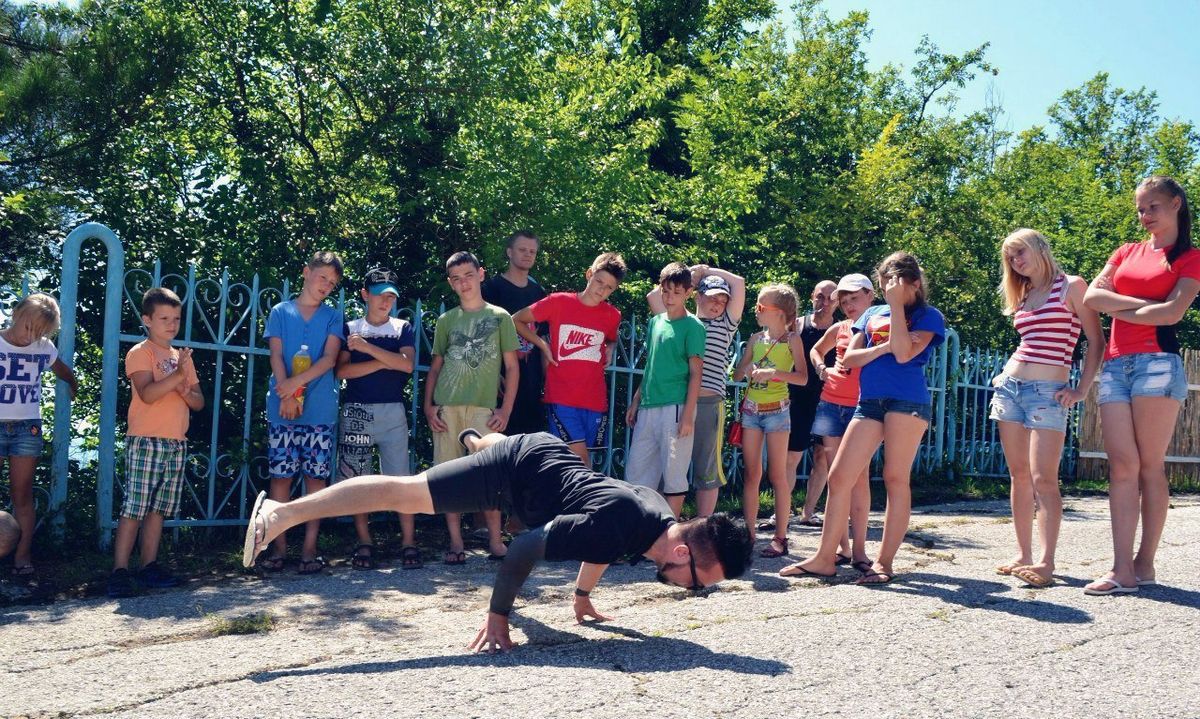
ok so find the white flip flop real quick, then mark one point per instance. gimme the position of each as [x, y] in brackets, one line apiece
[1117, 588]
[248, 553]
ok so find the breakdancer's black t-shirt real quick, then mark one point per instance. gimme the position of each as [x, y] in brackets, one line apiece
[589, 517]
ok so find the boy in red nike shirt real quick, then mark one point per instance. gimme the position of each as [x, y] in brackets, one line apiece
[583, 332]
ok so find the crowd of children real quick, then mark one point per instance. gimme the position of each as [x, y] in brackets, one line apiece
[511, 357]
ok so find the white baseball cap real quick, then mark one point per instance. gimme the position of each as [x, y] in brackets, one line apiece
[853, 283]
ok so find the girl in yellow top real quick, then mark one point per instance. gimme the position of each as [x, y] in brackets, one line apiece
[768, 362]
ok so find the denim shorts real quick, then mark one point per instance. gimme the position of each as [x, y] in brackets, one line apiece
[768, 422]
[875, 409]
[577, 424]
[21, 438]
[1030, 403]
[1148, 374]
[832, 419]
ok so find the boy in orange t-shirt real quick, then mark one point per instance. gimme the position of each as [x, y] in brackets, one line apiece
[165, 389]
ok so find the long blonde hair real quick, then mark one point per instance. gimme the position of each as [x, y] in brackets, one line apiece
[1016, 287]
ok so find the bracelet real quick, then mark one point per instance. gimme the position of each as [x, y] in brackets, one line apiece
[582, 593]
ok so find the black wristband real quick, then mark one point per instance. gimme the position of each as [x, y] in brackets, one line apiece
[581, 593]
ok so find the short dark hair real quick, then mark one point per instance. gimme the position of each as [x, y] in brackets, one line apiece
[723, 539]
[156, 296]
[462, 258]
[325, 258]
[528, 234]
[676, 273]
[612, 263]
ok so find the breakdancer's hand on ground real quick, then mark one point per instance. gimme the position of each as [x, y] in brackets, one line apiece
[584, 609]
[493, 635]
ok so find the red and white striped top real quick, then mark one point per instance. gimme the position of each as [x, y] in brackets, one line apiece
[1049, 333]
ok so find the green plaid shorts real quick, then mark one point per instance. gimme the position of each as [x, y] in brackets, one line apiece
[154, 476]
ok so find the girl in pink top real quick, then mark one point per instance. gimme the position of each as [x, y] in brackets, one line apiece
[1146, 287]
[1033, 395]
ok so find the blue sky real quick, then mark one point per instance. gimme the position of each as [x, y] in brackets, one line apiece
[1042, 49]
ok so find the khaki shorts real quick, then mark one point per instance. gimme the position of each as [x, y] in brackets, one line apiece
[457, 418]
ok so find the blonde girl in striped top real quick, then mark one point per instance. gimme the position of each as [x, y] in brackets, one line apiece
[1033, 394]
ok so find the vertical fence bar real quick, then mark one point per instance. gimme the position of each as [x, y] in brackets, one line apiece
[69, 300]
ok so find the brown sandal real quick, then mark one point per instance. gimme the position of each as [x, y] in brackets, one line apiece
[777, 548]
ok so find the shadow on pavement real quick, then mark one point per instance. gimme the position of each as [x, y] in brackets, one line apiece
[983, 594]
[548, 647]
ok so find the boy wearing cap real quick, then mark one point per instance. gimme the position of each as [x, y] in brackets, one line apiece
[376, 361]
[583, 332]
[720, 300]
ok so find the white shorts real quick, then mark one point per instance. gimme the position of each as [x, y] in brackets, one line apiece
[658, 456]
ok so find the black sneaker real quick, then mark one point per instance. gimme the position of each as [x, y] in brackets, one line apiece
[155, 577]
[121, 584]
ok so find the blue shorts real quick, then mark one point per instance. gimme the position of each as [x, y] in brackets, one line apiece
[832, 419]
[768, 422]
[875, 409]
[1029, 403]
[21, 438]
[1149, 374]
[576, 424]
[300, 449]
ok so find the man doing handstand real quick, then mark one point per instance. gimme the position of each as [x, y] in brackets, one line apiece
[575, 514]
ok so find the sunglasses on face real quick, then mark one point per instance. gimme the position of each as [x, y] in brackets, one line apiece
[760, 307]
[696, 585]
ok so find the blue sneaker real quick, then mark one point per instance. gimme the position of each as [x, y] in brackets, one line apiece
[155, 577]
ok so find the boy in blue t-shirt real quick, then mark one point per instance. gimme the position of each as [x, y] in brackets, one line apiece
[376, 361]
[302, 409]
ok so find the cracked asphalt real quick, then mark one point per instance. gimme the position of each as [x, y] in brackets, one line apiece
[949, 638]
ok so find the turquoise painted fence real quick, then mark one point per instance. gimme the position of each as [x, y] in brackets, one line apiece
[223, 322]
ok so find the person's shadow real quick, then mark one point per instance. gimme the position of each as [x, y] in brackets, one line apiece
[633, 651]
[983, 594]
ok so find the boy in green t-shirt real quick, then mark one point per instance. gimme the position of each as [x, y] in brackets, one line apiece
[663, 410]
[469, 345]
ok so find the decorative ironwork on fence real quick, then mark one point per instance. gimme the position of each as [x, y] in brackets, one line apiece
[224, 319]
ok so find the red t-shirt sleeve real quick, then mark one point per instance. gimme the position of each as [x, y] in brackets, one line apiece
[614, 325]
[1118, 256]
[544, 308]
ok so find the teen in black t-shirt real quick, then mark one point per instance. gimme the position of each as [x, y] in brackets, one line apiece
[575, 514]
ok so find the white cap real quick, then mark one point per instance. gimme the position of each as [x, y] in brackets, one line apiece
[853, 283]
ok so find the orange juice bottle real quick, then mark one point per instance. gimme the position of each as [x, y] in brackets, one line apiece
[301, 361]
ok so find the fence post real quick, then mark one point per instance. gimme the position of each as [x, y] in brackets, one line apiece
[68, 299]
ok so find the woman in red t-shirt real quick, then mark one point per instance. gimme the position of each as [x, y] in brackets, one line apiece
[1146, 287]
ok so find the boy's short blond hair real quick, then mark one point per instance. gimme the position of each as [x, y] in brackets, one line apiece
[10, 533]
[40, 312]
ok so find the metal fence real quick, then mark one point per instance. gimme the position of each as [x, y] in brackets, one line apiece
[223, 322]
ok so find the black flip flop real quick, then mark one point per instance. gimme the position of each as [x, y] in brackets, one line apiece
[468, 432]
[801, 572]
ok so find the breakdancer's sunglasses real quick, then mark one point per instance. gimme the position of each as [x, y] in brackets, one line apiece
[696, 585]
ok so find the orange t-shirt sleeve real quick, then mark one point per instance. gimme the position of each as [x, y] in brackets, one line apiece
[138, 360]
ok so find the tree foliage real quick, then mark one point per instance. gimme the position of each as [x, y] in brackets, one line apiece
[246, 133]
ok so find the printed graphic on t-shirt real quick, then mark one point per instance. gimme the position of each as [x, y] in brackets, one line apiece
[20, 382]
[471, 347]
[879, 329]
[579, 343]
[167, 365]
[765, 363]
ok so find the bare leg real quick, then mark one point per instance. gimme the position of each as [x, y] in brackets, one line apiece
[861, 440]
[706, 501]
[152, 528]
[312, 528]
[1153, 423]
[901, 438]
[1045, 449]
[793, 467]
[752, 442]
[1015, 440]
[581, 451]
[818, 476]
[20, 475]
[127, 531]
[371, 493]
[777, 471]
[1116, 421]
[857, 516]
[281, 491]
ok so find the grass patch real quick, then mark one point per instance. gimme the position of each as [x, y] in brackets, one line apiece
[260, 623]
